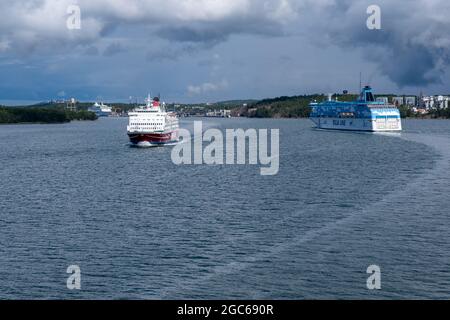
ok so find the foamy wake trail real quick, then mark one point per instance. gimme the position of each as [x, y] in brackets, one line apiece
[441, 144]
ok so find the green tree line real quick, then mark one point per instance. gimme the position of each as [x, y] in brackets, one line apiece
[282, 107]
[42, 115]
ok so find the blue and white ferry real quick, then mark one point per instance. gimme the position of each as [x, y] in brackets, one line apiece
[364, 114]
[101, 110]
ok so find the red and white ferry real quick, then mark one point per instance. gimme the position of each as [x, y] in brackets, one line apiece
[151, 125]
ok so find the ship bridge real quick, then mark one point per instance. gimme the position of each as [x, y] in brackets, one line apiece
[366, 95]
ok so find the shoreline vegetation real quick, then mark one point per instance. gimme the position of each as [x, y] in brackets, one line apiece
[298, 107]
[293, 107]
[42, 115]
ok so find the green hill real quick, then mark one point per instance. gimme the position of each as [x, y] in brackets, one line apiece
[42, 115]
[281, 107]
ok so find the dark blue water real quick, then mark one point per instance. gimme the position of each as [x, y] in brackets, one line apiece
[141, 227]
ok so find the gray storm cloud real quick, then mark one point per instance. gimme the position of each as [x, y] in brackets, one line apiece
[28, 24]
[412, 48]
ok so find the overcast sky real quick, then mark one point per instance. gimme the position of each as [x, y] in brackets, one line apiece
[212, 50]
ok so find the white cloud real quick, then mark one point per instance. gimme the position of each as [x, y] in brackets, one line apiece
[206, 87]
[29, 25]
[4, 45]
[414, 35]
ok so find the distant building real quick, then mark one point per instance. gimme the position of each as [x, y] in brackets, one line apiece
[398, 101]
[410, 101]
[384, 100]
[71, 105]
[428, 103]
[443, 102]
[219, 114]
[435, 102]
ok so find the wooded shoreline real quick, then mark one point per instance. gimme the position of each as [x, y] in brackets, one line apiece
[22, 115]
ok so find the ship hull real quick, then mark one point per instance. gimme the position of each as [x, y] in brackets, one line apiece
[145, 140]
[367, 125]
[104, 114]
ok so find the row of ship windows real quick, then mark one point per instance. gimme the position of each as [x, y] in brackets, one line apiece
[337, 116]
[146, 124]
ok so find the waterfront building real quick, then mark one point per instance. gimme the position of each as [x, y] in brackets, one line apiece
[219, 114]
[71, 105]
[384, 100]
[398, 101]
[435, 102]
[410, 101]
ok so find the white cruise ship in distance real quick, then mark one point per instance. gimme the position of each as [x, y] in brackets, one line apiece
[151, 125]
[364, 114]
[101, 110]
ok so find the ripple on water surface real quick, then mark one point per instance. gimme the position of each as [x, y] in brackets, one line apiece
[141, 227]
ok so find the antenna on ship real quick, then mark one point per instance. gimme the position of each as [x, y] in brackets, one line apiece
[360, 81]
